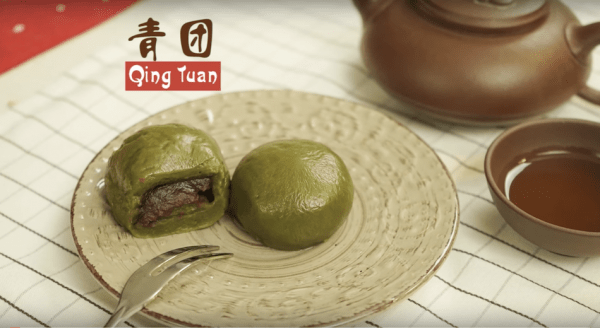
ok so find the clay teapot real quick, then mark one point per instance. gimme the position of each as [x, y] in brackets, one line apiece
[478, 61]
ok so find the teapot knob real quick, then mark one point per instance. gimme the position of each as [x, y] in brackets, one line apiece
[498, 16]
[502, 2]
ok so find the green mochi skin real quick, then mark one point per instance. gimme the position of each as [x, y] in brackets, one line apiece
[291, 194]
[159, 155]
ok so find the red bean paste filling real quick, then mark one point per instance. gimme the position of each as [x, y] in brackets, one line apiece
[160, 202]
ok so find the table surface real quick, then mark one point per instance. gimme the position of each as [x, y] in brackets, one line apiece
[60, 108]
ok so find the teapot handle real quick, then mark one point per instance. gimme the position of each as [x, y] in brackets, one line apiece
[590, 94]
[369, 8]
[582, 40]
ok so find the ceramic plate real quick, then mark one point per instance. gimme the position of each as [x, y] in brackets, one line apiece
[400, 229]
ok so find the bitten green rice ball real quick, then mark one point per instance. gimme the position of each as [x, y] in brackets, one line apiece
[167, 179]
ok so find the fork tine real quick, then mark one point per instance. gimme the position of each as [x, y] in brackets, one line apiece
[205, 248]
[184, 252]
[176, 268]
[158, 263]
[213, 256]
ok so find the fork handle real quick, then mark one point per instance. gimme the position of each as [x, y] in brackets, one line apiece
[123, 312]
[116, 318]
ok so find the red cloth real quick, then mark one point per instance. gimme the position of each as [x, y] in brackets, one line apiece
[28, 28]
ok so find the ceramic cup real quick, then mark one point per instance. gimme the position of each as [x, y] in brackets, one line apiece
[527, 138]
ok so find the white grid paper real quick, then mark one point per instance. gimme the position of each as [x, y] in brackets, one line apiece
[493, 277]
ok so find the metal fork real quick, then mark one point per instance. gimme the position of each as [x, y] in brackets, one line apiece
[147, 281]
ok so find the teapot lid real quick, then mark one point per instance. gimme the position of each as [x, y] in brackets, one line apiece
[485, 15]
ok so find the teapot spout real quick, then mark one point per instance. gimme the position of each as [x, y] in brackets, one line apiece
[370, 8]
[582, 40]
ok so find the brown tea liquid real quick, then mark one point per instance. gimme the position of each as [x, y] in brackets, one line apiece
[560, 186]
